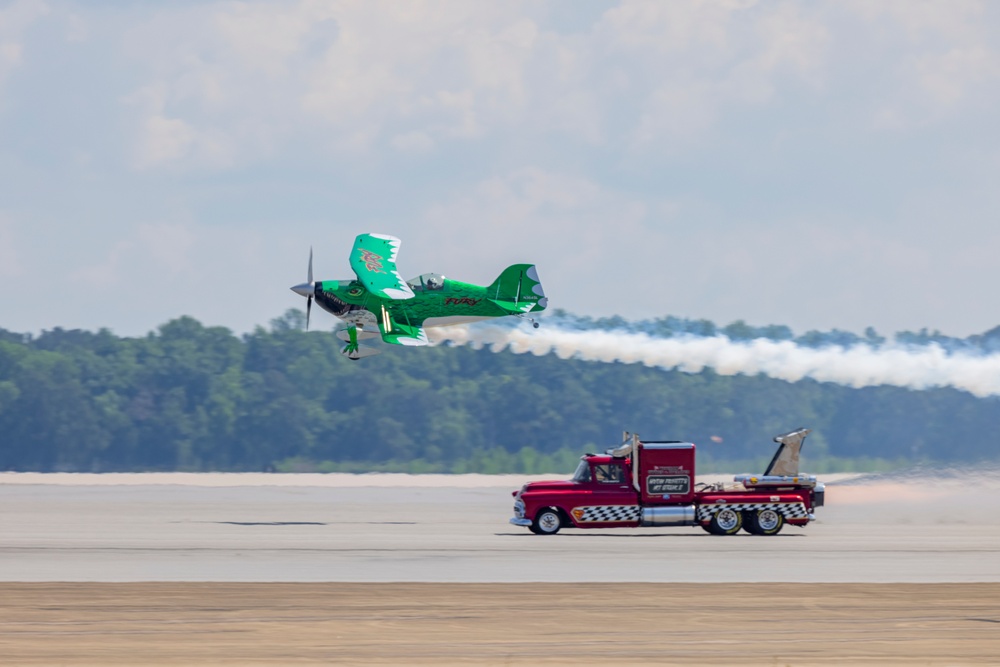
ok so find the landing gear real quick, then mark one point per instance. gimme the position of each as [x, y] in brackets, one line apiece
[534, 322]
[351, 349]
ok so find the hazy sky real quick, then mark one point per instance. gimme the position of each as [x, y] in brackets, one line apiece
[815, 164]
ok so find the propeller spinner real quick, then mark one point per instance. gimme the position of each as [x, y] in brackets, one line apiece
[307, 289]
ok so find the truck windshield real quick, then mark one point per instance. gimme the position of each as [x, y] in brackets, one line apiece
[582, 473]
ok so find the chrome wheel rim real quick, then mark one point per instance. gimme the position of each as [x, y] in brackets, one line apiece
[768, 519]
[727, 519]
[548, 522]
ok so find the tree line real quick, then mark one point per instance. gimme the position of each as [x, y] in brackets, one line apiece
[196, 398]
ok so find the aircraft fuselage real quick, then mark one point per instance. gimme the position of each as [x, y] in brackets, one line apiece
[453, 302]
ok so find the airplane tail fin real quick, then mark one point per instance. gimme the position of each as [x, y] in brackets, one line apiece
[786, 459]
[518, 290]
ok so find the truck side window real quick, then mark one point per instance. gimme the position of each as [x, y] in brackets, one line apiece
[609, 474]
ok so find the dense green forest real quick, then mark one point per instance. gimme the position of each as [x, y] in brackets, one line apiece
[190, 397]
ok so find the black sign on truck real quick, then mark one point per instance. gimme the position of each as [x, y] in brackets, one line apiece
[659, 485]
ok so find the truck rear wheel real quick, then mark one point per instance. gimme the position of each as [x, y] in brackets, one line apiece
[765, 522]
[547, 522]
[726, 522]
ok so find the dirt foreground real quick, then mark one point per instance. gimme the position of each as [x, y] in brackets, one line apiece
[498, 624]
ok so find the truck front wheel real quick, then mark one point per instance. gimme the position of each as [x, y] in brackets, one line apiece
[765, 522]
[726, 522]
[547, 522]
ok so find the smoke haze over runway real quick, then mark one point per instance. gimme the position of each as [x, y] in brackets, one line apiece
[911, 367]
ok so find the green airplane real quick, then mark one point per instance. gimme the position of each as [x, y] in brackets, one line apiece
[379, 298]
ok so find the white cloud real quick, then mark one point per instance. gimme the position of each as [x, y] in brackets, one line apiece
[695, 62]
[938, 60]
[163, 139]
[919, 20]
[744, 159]
[602, 252]
[161, 248]
[580, 234]
[242, 80]
[949, 77]
[15, 19]
[354, 73]
[165, 269]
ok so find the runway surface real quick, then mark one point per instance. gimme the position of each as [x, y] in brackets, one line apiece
[752, 625]
[316, 528]
[397, 570]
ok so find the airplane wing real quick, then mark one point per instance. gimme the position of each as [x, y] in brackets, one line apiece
[373, 259]
[397, 331]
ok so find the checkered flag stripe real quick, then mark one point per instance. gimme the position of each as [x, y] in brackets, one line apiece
[607, 513]
[788, 510]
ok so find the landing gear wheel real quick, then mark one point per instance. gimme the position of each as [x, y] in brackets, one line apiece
[766, 522]
[726, 522]
[547, 522]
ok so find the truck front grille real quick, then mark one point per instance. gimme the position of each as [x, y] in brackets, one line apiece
[519, 509]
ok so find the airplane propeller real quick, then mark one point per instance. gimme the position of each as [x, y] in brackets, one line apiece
[308, 288]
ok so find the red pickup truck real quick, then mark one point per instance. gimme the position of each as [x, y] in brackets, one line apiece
[652, 483]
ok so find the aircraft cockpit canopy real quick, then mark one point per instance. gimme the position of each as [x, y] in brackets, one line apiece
[428, 281]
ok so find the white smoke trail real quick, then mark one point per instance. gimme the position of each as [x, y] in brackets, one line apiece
[858, 366]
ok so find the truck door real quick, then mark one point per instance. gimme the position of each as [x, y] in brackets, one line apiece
[611, 475]
[613, 502]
